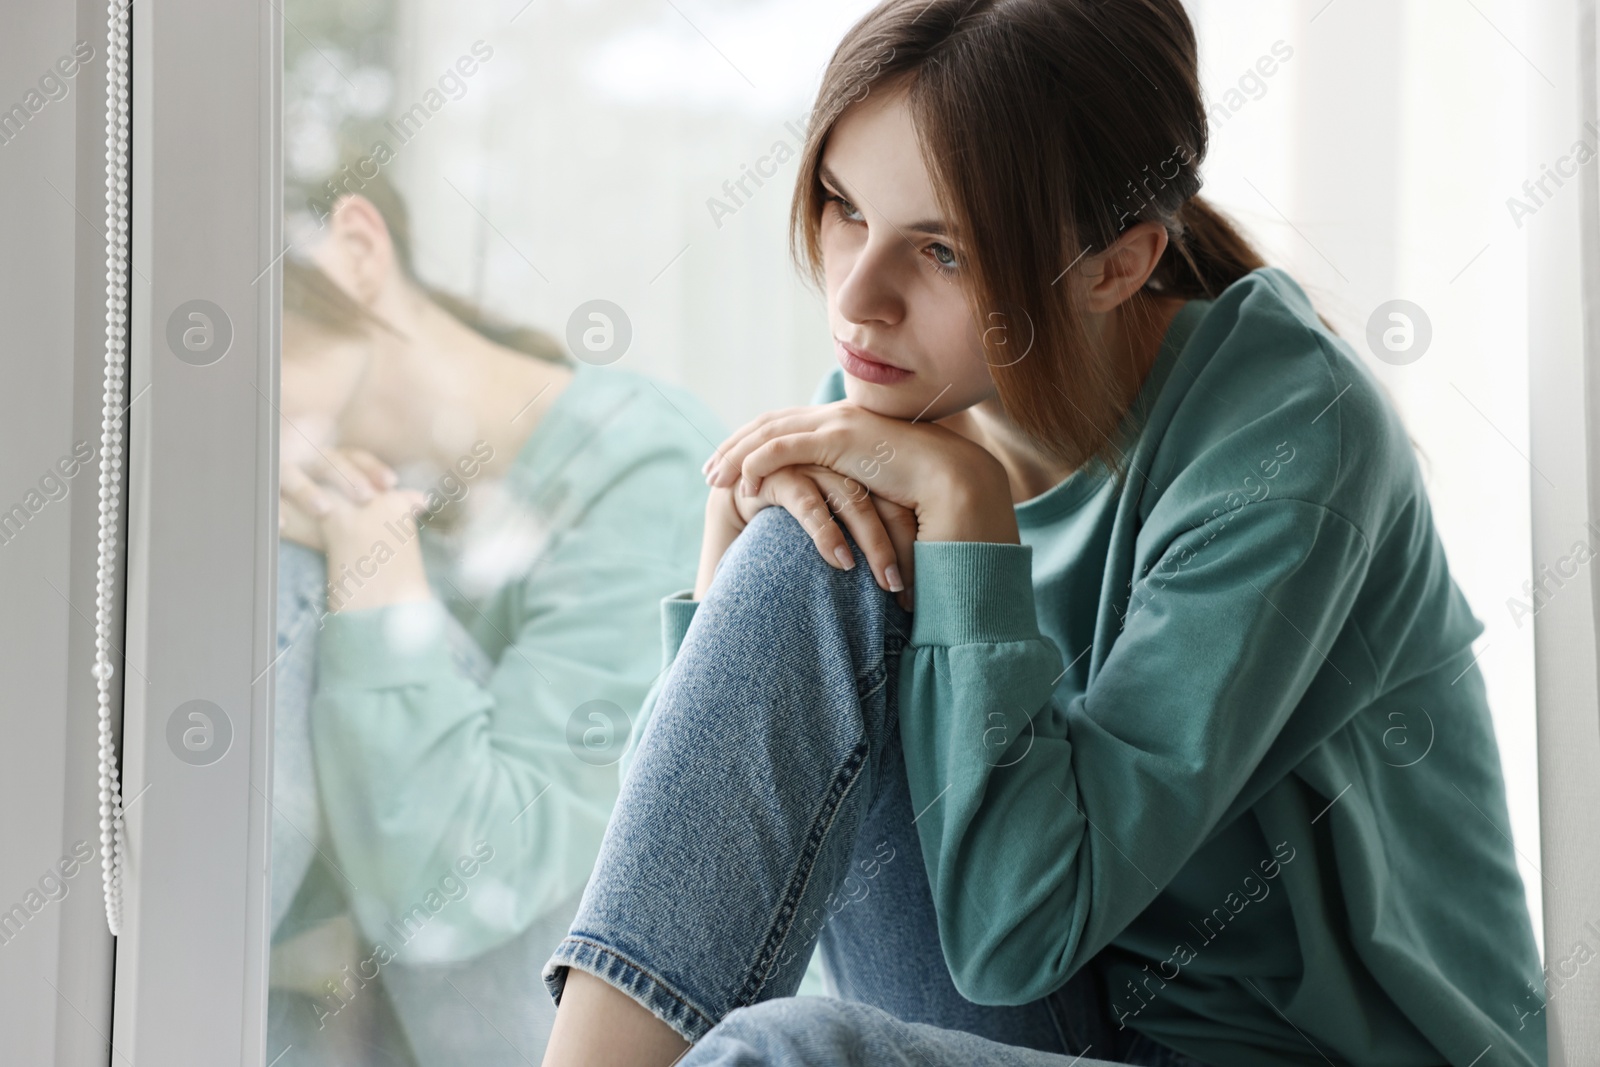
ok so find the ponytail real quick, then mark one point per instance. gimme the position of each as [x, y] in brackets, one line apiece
[1205, 255]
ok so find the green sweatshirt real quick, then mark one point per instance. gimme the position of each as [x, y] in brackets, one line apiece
[1222, 722]
[421, 769]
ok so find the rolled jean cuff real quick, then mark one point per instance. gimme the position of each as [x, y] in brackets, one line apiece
[615, 969]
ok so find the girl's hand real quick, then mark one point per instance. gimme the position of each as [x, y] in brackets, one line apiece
[374, 555]
[815, 495]
[310, 480]
[953, 487]
[296, 524]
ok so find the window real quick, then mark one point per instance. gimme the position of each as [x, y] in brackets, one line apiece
[564, 279]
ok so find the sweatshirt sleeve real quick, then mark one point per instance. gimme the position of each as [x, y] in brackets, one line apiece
[677, 611]
[1048, 826]
[830, 388]
[421, 767]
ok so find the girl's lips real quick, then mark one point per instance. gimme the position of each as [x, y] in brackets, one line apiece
[867, 370]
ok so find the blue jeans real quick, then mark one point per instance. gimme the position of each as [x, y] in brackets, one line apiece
[766, 813]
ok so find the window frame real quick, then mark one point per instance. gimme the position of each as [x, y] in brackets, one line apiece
[191, 963]
[56, 971]
[1564, 440]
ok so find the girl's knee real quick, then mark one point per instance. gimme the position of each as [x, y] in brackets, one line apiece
[780, 546]
[782, 1032]
[778, 528]
[774, 568]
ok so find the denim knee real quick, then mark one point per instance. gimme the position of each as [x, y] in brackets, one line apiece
[775, 556]
[784, 1032]
[783, 545]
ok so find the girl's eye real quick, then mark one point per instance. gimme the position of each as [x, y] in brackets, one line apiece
[844, 210]
[939, 252]
[944, 259]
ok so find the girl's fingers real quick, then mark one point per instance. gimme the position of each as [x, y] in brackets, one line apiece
[826, 513]
[378, 473]
[901, 523]
[298, 489]
[726, 465]
[885, 543]
[341, 473]
[733, 439]
[792, 448]
[297, 521]
[729, 444]
[295, 525]
[799, 495]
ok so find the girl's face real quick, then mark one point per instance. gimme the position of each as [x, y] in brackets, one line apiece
[320, 373]
[894, 271]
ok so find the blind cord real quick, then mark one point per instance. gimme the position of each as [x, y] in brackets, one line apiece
[117, 186]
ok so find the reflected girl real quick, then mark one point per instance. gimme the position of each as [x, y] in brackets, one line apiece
[476, 535]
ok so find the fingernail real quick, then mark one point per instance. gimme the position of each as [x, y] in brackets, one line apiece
[748, 487]
[846, 560]
[892, 572]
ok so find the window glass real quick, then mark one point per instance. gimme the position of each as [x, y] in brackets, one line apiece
[537, 271]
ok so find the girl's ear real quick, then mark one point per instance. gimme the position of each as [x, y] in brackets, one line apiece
[358, 253]
[1122, 269]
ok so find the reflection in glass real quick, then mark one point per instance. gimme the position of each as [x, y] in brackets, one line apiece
[476, 534]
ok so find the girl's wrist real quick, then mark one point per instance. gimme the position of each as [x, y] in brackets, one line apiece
[971, 508]
[356, 582]
[373, 571]
[970, 528]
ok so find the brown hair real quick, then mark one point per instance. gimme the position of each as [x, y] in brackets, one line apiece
[310, 293]
[1049, 127]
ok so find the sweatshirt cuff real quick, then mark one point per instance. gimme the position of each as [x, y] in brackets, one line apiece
[384, 647]
[677, 611]
[972, 592]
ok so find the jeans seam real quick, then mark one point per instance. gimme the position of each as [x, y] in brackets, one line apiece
[844, 781]
[766, 959]
[1064, 1033]
[889, 659]
[875, 680]
[783, 923]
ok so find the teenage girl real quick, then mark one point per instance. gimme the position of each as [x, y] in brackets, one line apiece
[477, 531]
[1127, 784]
